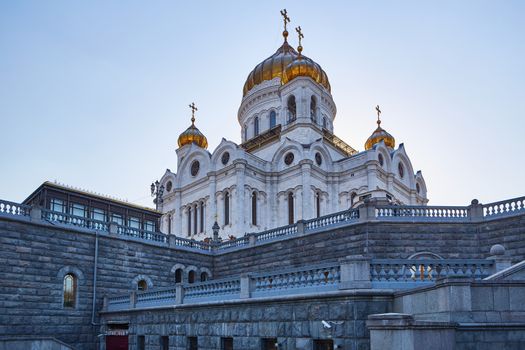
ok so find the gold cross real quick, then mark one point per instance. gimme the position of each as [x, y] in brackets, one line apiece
[193, 109]
[285, 18]
[378, 114]
[300, 33]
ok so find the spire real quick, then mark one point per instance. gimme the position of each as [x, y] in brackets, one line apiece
[286, 20]
[193, 109]
[301, 36]
[378, 115]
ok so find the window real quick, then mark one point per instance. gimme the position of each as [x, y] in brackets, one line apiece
[225, 158]
[292, 110]
[202, 217]
[57, 205]
[318, 159]
[245, 133]
[117, 219]
[193, 343]
[142, 285]
[165, 342]
[313, 109]
[269, 344]
[141, 342]
[78, 210]
[226, 343]
[169, 223]
[324, 122]
[98, 214]
[195, 219]
[290, 209]
[204, 276]
[226, 208]
[149, 226]
[134, 222]
[178, 276]
[194, 168]
[189, 221]
[352, 198]
[318, 204]
[418, 188]
[256, 126]
[273, 118]
[70, 290]
[191, 276]
[254, 208]
[288, 158]
[323, 344]
[169, 185]
[401, 170]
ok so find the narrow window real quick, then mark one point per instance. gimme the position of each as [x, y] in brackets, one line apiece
[324, 122]
[70, 290]
[352, 199]
[256, 126]
[292, 111]
[117, 219]
[165, 342]
[204, 276]
[254, 208]
[149, 226]
[202, 217]
[141, 342]
[178, 276]
[226, 208]
[193, 343]
[142, 285]
[195, 219]
[98, 214]
[58, 205]
[226, 343]
[269, 344]
[313, 109]
[189, 221]
[273, 120]
[245, 133]
[191, 276]
[290, 209]
[134, 222]
[318, 204]
[169, 224]
[78, 210]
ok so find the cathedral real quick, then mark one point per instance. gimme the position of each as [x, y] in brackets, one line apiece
[290, 165]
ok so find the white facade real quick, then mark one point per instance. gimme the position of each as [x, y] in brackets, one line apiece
[323, 177]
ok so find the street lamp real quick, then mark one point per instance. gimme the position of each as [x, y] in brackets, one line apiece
[157, 191]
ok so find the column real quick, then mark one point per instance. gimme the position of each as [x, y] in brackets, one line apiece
[307, 205]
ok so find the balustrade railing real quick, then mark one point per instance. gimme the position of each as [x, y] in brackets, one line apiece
[191, 243]
[156, 297]
[142, 234]
[277, 232]
[232, 243]
[422, 213]
[503, 208]
[427, 270]
[332, 219]
[81, 221]
[12, 208]
[309, 279]
[211, 290]
[122, 302]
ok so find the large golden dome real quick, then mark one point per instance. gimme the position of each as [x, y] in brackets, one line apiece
[379, 135]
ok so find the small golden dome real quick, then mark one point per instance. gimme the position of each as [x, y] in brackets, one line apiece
[303, 66]
[192, 134]
[379, 135]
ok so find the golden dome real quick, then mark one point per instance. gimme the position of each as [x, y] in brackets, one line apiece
[379, 135]
[303, 66]
[192, 134]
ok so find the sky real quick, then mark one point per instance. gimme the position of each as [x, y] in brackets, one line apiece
[94, 94]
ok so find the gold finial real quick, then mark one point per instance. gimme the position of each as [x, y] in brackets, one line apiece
[378, 114]
[301, 36]
[193, 109]
[286, 20]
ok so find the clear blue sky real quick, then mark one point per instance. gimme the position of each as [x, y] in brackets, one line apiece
[94, 94]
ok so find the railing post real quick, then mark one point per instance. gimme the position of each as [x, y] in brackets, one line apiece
[113, 228]
[179, 293]
[132, 300]
[300, 227]
[35, 213]
[172, 241]
[475, 211]
[497, 255]
[355, 272]
[367, 211]
[252, 239]
[246, 286]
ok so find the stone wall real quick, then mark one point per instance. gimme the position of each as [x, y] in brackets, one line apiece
[33, 257]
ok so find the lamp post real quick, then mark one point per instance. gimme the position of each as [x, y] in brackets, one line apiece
[157, 191]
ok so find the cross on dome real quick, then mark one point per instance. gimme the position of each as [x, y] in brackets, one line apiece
[193, 109]
[286, 20]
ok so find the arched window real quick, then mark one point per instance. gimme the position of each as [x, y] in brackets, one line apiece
[292, 109]
[226, 208]
[204, 276]
[202, 217]
[70, 290]
[142, 285]
[178, 276]
[189, 221]
[324, 122]
[273, 118]
[318, 204]
[290, 209]
[313, 109]
[352, 199]
[245, 133]
[256, 126]
[191, 276]
[195, 211]
[254, 208]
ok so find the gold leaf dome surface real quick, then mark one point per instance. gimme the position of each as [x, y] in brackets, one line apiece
[193, 135]
[379, 135]
[303, 66]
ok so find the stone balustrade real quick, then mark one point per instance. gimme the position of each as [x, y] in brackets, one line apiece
[369, 212]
